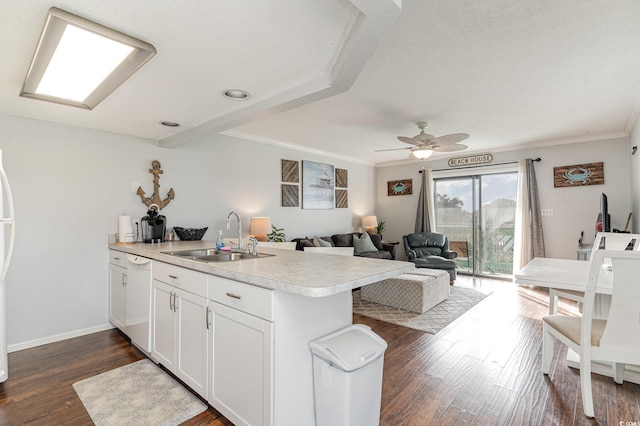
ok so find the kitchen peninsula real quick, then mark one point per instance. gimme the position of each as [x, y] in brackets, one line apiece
[253, 321]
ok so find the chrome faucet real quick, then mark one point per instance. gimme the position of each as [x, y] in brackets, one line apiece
[254, 243]
[233, 213]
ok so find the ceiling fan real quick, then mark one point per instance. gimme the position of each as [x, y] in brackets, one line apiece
[425, 144]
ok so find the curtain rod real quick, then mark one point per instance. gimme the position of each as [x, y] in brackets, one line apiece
[481, 165]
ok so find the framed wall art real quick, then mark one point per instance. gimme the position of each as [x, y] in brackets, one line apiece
[578, 175]
[400, 187]
[317, 185]
[289, 195]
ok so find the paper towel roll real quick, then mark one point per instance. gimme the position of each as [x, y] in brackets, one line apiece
[125, 229]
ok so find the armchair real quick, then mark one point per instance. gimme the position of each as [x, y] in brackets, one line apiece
[430, 250]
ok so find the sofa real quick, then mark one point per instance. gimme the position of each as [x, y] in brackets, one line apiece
[382, 250]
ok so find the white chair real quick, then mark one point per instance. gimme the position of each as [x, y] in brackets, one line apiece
[603, 241]
[277, 245]
[615, 339]
[340, 251]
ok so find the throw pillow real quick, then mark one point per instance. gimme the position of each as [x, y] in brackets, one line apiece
[319, 242]
[363, 244]
[306, 243]
[376, 239]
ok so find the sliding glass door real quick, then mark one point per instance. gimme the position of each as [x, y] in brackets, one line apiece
[477, 214]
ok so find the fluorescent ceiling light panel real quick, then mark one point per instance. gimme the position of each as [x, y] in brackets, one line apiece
[79, 63]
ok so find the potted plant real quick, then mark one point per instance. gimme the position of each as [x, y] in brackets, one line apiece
[277, 235]
[381, 226]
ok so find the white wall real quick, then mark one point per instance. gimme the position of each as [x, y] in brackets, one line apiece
[70, 185]
[635, 178]
[575, 208]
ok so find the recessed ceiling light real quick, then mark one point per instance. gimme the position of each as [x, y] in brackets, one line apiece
[79, 63]
[236, 94]
[169, 123]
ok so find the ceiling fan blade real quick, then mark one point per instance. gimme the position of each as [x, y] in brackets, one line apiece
[448, 139]
[411, 141]
[392, 149]
[449, 147]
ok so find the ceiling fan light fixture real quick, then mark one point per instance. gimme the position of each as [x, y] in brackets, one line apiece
[421, 153]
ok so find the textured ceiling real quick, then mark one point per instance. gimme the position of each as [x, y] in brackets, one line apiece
[347, 77]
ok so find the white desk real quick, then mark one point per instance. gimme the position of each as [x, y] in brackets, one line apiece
[566, 274]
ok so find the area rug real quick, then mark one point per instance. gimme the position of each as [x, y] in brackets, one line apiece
[137, 394]
[435, 319]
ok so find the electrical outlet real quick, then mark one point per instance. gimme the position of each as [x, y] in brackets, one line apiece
[135, 186]
[547, 212]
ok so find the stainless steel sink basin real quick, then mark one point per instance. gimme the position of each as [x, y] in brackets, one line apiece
[193, 253]
[213, 255]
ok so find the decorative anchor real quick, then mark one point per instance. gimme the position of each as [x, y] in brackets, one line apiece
[155, 198]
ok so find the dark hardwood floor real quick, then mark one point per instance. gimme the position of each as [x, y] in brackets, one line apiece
[483, 369]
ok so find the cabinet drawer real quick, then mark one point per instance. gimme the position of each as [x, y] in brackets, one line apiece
[118, 258]
[244, 297]
[192, 281]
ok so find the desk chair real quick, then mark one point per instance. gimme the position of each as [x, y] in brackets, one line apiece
[277, 245]
[603, 241]
[339, 251]
[614, 339]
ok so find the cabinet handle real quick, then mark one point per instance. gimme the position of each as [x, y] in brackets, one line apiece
[175, 277]
[124, 280]
[171, 301]
[235, 296]
[116, 258]
[175, 297]
[206, 318]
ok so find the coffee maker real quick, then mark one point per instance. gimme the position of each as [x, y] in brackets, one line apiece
[154, 225]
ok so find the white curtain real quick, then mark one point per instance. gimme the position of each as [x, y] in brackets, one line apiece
[529, 239]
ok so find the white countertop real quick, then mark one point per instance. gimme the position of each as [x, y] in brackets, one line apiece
[306, 274]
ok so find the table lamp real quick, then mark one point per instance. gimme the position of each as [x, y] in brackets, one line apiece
[260, 227]
[370, 224]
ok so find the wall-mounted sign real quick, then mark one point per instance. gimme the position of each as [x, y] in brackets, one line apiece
[471, 160]
[400, 187]
[578, 175]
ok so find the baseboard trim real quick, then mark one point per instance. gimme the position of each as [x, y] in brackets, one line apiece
[58, 337]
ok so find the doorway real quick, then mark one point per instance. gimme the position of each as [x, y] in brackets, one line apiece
[477, 213]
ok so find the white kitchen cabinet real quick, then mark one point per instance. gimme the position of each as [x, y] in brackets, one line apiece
[118, 290]
[242, 351]
[163, 325]
[181, 324]
[241, 366]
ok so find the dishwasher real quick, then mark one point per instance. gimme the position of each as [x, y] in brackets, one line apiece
[138, 319]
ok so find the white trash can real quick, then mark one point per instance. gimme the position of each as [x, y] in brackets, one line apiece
[347, 377]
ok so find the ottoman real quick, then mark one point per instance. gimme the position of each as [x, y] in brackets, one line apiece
[416, 291]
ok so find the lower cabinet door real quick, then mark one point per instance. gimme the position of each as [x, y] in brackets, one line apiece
[118, 296]
[164, 330]
[193, 341]
[242, 364]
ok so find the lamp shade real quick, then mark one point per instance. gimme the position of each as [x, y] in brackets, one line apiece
[369, 221]
[260, 225]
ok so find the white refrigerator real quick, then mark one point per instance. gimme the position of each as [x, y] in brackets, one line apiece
[7, 232]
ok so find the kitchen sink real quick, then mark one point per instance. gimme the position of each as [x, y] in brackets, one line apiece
[213, 255]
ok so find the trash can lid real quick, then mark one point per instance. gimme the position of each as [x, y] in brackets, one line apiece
[350, 348]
